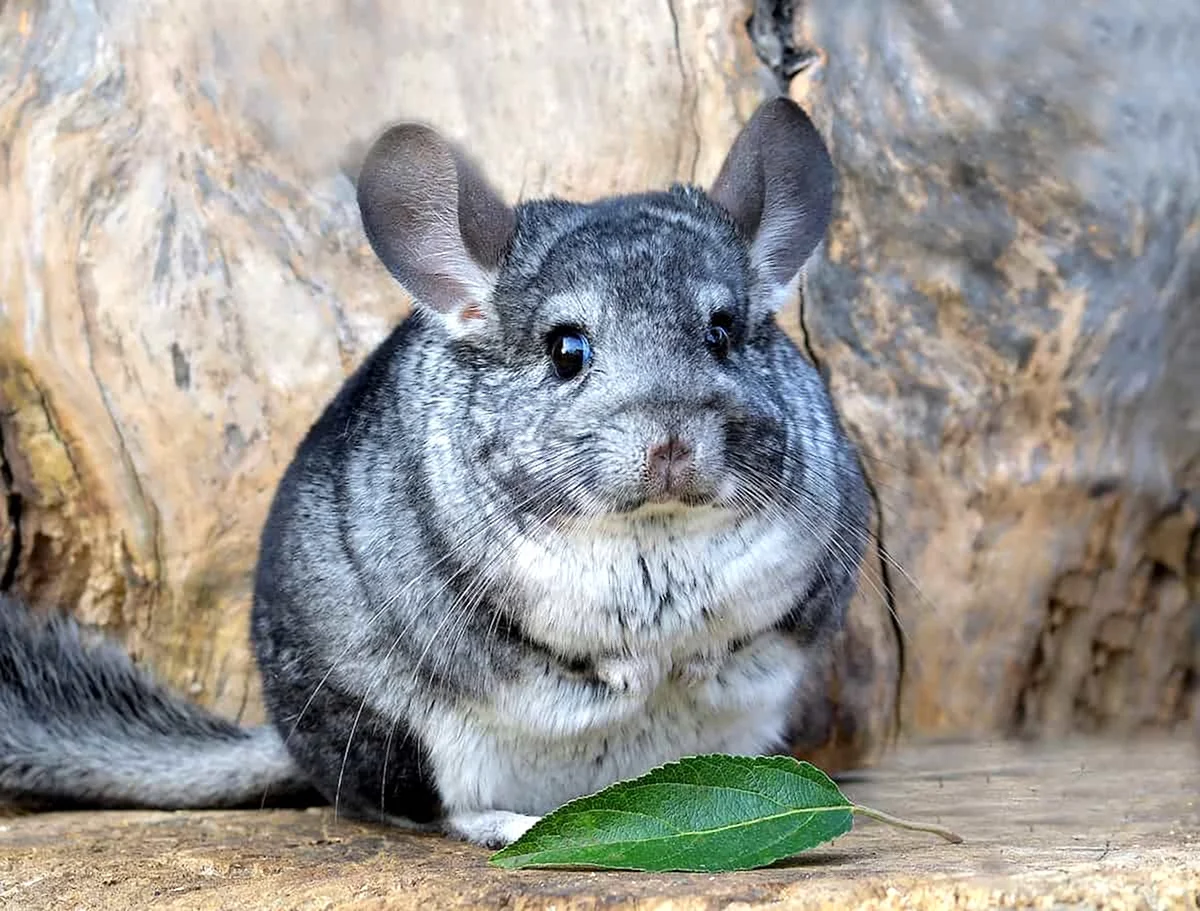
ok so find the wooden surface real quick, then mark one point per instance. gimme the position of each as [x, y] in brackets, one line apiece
[1082, 824]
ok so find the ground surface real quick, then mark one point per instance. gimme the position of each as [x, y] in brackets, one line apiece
[1081, 825]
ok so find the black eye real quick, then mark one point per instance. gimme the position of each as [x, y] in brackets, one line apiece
[570, 352]
[717, 337]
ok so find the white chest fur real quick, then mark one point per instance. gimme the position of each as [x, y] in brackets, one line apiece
[645, 600]
[545, 740]
[658, 583]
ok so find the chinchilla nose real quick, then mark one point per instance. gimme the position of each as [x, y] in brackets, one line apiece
[669, 462]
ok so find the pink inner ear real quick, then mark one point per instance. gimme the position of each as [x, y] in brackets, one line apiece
[471, 311]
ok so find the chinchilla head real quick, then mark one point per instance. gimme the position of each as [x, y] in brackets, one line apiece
[620, 354]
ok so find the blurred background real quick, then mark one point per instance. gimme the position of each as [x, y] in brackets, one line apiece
[1005, 307]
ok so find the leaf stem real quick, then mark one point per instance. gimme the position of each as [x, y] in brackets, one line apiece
[889, 819]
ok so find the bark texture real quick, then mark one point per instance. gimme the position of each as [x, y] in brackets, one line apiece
[1009, 311]
[1005, 307]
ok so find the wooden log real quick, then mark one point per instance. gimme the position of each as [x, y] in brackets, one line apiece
[1007, 310]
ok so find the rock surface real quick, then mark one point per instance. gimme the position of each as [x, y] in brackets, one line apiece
[1005, 306]
[1061, 827]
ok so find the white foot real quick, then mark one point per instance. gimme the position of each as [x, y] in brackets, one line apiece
[490, 829]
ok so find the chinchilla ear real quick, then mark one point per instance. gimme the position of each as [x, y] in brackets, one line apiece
[777, 183]
[434, 221]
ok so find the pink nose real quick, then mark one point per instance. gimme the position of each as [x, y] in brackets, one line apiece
[669, 461]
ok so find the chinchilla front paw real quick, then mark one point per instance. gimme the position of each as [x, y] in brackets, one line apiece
[491, 829]
[699, 669]
[629, 675]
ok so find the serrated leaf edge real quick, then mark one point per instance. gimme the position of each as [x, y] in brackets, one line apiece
[782, 762]
[690, 832]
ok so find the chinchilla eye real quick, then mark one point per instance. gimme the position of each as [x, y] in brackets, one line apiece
[717, 337]
[570, 352]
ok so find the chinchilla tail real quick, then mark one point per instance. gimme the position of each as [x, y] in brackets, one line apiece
[82, 726]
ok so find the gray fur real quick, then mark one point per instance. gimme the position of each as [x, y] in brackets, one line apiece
[477, 595]
[80, 725]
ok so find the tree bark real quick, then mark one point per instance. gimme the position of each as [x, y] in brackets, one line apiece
[1007, 307]
[1004, 307]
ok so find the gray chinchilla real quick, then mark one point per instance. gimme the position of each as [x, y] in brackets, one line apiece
[586, 510]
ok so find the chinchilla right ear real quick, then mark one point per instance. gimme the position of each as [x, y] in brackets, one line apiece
[777, 183]
[435, 222]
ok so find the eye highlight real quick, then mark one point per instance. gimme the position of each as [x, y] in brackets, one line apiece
[718, 335]
[570, 351]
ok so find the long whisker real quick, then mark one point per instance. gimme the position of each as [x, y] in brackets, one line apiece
[465, 603]
[783, 505]
[784, 501]
[477, 534]
[478, 589]
[473, 562]
[830, 492]
[828, 489]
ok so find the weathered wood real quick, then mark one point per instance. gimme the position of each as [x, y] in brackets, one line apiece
[1067, 826]
[1006, 306]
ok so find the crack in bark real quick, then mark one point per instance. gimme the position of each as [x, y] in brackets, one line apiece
[694, 96]
[126, 457]
[14, 505]
[881, 553]
[771, 28]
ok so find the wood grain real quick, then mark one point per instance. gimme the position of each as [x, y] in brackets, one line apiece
[1062, 826]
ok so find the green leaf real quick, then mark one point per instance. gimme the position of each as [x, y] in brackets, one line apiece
[704, 813]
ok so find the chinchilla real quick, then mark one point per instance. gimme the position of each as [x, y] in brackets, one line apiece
[585, 511]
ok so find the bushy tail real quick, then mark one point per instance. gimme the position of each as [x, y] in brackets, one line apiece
[82, 726]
